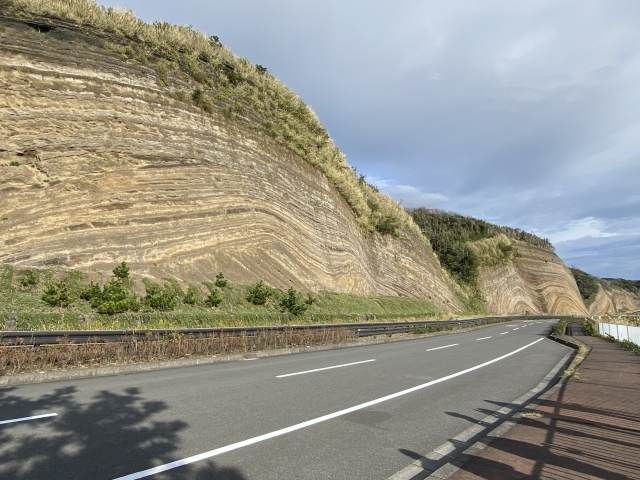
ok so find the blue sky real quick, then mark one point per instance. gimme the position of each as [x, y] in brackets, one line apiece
[521, 113]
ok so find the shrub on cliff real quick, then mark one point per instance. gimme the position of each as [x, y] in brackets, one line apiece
[221, 282]
[259, 293]
[214, 298]
[293, 302]
[160, 297]
[29, 279]
[115, 297]
[57, 295]
[121, 271]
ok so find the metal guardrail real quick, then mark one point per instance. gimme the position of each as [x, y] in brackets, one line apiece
[36, 338]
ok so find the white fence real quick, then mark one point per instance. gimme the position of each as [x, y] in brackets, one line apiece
[620, 332]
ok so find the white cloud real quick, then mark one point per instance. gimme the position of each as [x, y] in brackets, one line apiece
[588, 227]
[410, 195]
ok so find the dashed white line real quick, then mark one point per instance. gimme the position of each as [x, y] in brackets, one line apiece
[482, 338]
[313, 421]
[26, 419]
[503, 333]
[444, 346]
[325, 368]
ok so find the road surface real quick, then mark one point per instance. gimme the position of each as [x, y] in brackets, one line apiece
[356, 413]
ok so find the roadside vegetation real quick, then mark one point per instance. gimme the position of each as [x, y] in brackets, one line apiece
[199, 69]
[49, 300]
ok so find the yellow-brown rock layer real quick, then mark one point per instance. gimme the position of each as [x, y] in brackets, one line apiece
[534, 281]
[99, 165]
[610, 299]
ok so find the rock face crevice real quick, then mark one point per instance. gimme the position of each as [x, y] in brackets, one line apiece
[100, 163]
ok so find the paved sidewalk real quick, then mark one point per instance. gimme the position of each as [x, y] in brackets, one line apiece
[587, 428]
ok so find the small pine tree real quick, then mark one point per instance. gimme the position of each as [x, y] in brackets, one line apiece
[214, 298]
[121, 271]
[259, 293]
[221, 282]
[292, 302]
[57, 295]
[29, 279]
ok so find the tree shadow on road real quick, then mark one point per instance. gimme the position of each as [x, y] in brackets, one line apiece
[110, 435]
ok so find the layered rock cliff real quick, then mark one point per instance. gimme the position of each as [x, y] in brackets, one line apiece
[611, 299]
[533, 280]
[100, 163]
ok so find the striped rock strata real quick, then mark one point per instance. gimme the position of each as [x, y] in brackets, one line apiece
[534, 281]
[99, 165]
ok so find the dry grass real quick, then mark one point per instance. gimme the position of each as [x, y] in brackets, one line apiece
[19, 359]
[493, 251]
[221, 81]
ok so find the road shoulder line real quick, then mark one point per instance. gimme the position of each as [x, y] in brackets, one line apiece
[434, 465]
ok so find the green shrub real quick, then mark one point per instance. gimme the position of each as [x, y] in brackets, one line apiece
[14, 163]
[29, 279]
[293, 303]
[590, 327]
[115, 298]
[57, 295]
[221, 282]
[560, 328]
[121, 271]
[259, 293]
[91, 292]
[193, 296]
[160, 297]
[214, 298]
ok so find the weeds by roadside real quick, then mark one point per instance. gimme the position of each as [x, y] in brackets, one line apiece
[19, 359]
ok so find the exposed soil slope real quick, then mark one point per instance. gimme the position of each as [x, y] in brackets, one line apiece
[100, 163]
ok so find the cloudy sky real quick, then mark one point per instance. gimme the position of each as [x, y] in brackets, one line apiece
[525, 113]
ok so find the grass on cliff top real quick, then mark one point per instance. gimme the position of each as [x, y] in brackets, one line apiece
[464, 244]
[34, 314]
[198, 69]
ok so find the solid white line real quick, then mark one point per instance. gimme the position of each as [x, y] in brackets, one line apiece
[325, 368]
[503, 333]
[24, 419]
[313, 421]
[444, 346]
[482, 338]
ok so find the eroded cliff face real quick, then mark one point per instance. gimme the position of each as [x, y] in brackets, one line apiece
[535, 280]
[610, 299]
[100, 164]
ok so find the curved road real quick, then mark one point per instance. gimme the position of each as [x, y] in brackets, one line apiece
[356, 413]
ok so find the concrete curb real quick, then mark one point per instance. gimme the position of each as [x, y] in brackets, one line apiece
[90, 372]
[436, 464]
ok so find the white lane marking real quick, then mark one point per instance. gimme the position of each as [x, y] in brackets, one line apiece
[25, 419]
[325, 368]
[503, 333]
[313, 421]
[482, 338]
[515, 329]
[444, 346]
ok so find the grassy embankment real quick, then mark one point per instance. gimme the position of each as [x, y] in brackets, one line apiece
[22, 293]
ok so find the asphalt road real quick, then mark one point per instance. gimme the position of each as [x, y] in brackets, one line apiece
[274, 418]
